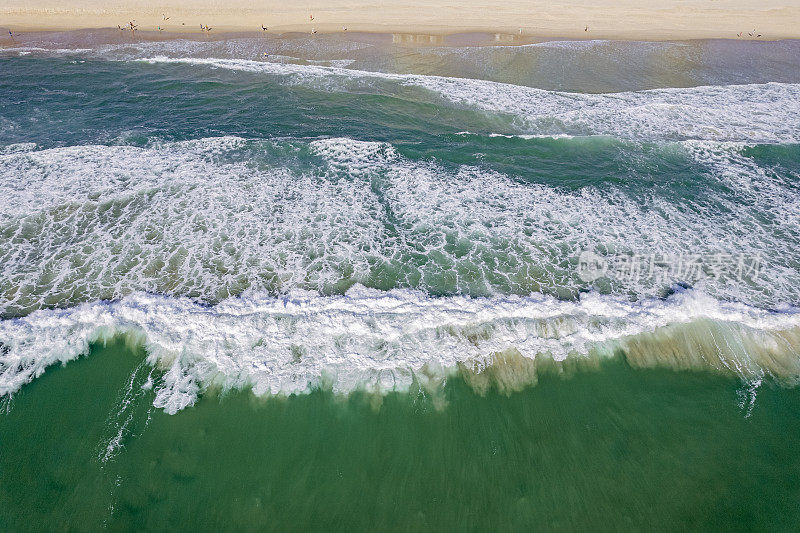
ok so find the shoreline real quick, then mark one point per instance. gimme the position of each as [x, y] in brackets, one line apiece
[582, 20]
[91, 37]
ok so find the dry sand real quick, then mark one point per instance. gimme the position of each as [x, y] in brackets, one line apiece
[623, 19]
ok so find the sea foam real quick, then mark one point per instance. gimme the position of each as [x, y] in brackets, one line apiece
[212, 218]
[384, 341]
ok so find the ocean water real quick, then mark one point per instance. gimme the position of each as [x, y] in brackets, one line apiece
[336, 283]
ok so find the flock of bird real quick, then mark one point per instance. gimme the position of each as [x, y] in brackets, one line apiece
[132, 26]
[751, 34]
[206, 28]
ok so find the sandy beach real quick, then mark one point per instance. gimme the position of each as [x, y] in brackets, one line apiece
[626, 19]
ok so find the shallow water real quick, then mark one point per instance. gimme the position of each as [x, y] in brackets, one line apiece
[350, 267]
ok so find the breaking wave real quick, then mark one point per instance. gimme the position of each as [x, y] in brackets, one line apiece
[392, 340]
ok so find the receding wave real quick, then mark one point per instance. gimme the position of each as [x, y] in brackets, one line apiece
[391, 340]
[759, 113]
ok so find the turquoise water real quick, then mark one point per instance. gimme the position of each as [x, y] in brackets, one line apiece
[345, 285]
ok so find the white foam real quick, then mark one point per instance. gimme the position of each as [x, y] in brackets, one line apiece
[760, 187]
[376, 339]
[27, 50]
[17, 147]
[574, 44]
[283, 59]
[117, 426]
[214, 217]
[520, 136]
[758, 113]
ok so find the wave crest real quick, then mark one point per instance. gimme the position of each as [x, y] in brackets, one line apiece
[391, 340]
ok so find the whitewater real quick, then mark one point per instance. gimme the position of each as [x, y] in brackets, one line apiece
[279, 262]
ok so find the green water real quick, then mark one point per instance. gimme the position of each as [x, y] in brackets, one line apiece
[611, 448]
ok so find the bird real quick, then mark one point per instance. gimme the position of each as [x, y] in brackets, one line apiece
[160, 28]
[313, 30]
[759, 35]
[739, 35]
[263, 28]
[164, 16]
[208, 28]
[202, 27]
[311, 17]
[586, 28]
[344, 28]
[11, 34]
